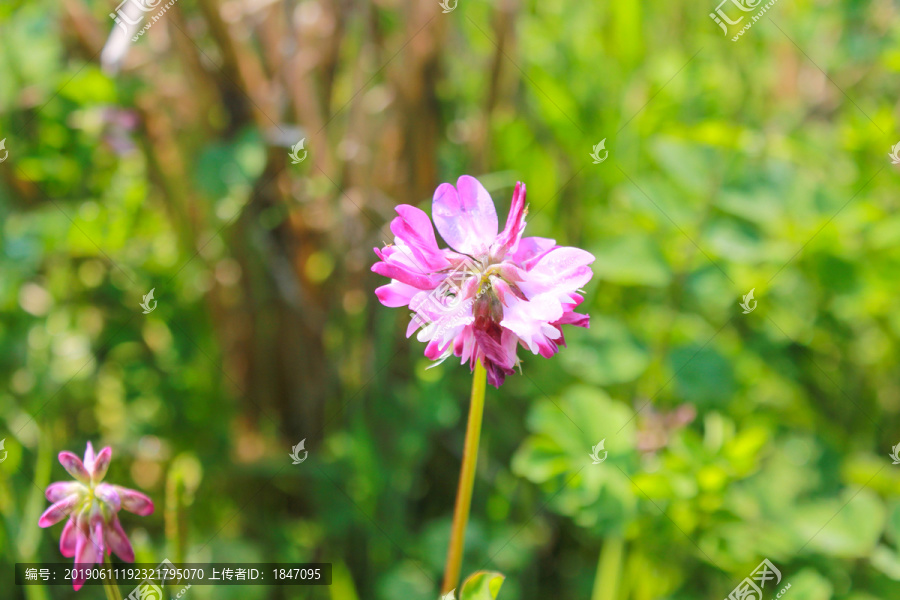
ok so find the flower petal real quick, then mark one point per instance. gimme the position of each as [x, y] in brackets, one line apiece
[398, 262]
[560, 271]
[134, 501]
[98, 535]
[498, 357]
[62, 489]
[118, 541]
[107, 494]
[89, 457]
[530, 250]
[576, 319]
[101, 464]
[86, 554]
[74, 466]
[58, 511]
[68, 539]
[465, 216]
[396, 293]
[443, 313]
[414, 229]
[515, 224]
[530, 319]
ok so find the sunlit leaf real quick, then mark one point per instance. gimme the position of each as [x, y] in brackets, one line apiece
[481, 585]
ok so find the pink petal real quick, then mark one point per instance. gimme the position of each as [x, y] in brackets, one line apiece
[74, 466]
[574, 300]
[530, 250]
[496, 375]
[86, 551]
[465, 216]
[118, 542]
[515, 223]
[436, 348]
[464, 344]
[101, 464]
[410, 275]
[134, 501]
[442, 319]
[530, 319]
[415, 322]
[86, 554]
[89, 458]
[62, 489]
[576, 319]
[563, 260]
[414, 228]
[499, 366]
[560, 271]
[396, 294]
[98, 535]
[108, 494]
[68, 539]
[494, 351]
[58, 511]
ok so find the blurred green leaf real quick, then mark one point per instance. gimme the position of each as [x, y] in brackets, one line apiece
[644, 264]
[808, 584]
[702, 375]
[848, 528]
[607, 354]
[482, 585]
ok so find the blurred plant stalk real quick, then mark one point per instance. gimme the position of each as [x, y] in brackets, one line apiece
[110, 585]
[29, 539]
[175, 515]
[466, 481]
[609, 566]
[176, 519]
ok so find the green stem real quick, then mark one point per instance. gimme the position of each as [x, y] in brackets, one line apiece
[175, 520]
[608, 568]
[466, 481]
[109, 585]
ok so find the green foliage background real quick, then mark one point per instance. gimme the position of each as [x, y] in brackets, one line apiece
[760, 164]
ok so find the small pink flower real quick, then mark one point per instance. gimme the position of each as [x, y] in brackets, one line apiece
[92, 507]
[493, 291]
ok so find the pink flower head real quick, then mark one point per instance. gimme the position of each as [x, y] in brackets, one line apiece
[92, 507]
[492, 291]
